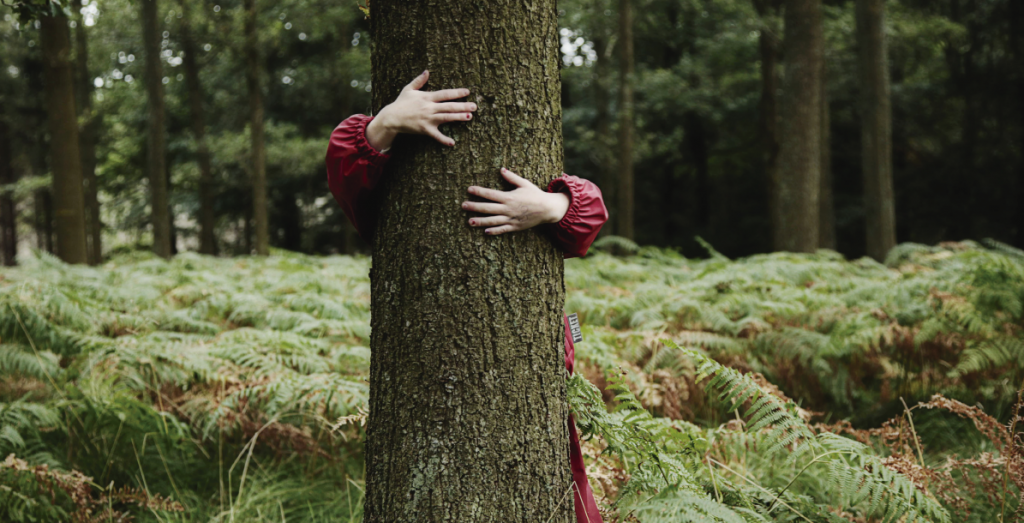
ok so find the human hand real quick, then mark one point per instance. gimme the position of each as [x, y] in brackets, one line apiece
[418, 112]
[516, 210]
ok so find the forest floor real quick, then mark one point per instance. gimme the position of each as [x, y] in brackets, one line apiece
[234, 389]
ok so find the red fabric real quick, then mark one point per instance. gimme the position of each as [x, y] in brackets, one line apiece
[353, 169]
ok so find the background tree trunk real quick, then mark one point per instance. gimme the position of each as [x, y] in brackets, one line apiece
[43, 207]
[65, 157]
[467, 382]
[627, 68]
[259, 153]
[1017, 39]
[603, 160]
[87, 140]
[8, 218]
[156, 157]
[827, 217]
[876, 129]
[207, 239]
[768, 45]
[799, 167]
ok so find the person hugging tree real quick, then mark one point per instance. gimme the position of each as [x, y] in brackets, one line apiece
[570, 211]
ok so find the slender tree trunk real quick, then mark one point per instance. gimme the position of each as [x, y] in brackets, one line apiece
[8, 218]
[799, 168]
[697, 146]
[827, 216]
[603, 123]
[259, 154]
[1017, 32]
[467, 388]
[207, 239]
[876, 129]
[65, 157]
[626, 120]
[87, 140]
[156, 157]
[44, 220]
[768, 119]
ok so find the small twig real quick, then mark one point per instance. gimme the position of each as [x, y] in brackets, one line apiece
[913, 432]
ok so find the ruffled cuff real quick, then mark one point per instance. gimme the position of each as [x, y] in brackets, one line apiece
[567, 185]
[363, 147]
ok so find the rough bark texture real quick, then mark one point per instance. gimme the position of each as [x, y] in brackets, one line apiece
[467, 381]
[65, 158]
[207, 239]
[876, 129]
[768, 122]
[827, 217]
[87, 141]
[625, 209]
[156, 153]
[257, 143]
[8, 219]
[798, 177]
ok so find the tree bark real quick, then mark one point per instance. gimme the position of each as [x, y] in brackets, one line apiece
[65, 157]
[207, 239]
[876, 129]
[87, 140]
[156, 157]
[626, 212]
[827, 218]
[467, 383]
[768, 119]
[258, 149]
[799, 168]
[8, 218]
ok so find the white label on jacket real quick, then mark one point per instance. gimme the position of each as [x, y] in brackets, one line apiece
[574, 327]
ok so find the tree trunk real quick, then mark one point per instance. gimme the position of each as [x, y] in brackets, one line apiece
[768, 119]
[827, 217]
[65, 157]
[626, 109]
[697, 146]
[799, 168]
[876, 129]
[604, 161]
[8, 218]
[44, 220]
[87, 140]
[207, 239]
[156, 157]
[259, 153]
[467, 383]
[1017, 39]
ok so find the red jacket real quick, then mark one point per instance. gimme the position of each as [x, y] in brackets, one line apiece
[353, 170]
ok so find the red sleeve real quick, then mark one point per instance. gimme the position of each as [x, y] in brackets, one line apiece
[353, 170]
[586, 214]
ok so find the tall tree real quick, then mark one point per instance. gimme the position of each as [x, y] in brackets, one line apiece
[467, 393]
[87, 137]
[627, 67]
[156, 155]
[603, 159]
[827, 217]
[768, 47]
[798, 176]
[207, 239]
[876, 128]
[1016, 20]
[65, 157]
[8, 219]
[258, 146]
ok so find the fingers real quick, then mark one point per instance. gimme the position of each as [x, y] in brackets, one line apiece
[451, 117]
[514, 178]
[489, 221]
[448, 94]
[417, 83]
[490, 194]
[437, 135]
[486, 208]
[499, 230]
[455, 107]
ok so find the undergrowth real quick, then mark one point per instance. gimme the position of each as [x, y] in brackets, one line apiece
[775, 388]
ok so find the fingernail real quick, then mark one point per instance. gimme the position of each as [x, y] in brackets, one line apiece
[468, 116]
[424, 72]
[472, 222]
[472, 107]
[503, 169]
[465, 206]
